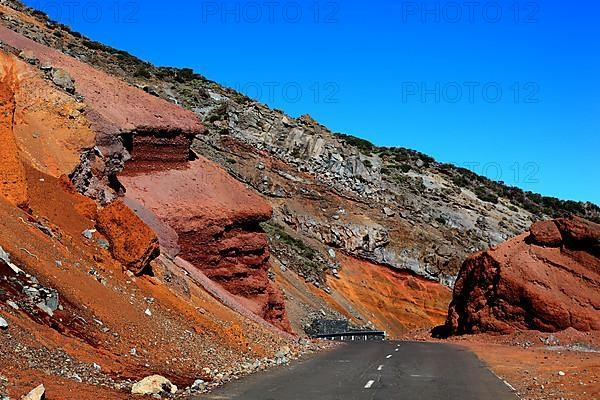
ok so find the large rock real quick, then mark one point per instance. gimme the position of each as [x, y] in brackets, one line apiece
[36, 394]
[216, 221]
[546, 233]
[132, 241]
[154, 384]
[522, 284]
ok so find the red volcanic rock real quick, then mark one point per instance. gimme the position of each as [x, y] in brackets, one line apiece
[217, 224]
[132, 242]
[545, 233]
[522, 285]
[114, 105]
[579, 232]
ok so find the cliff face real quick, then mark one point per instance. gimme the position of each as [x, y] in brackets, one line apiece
[142, 139]
[547, 279]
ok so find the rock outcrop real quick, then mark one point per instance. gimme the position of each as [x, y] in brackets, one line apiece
[140, 137]
[547, 280]
[132, 242]
[216, 224]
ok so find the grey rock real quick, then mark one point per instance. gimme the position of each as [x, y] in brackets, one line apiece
[3, 324]
[63, 80]
[88, 234]
[12, 304]
[103, 244]
[198, 385]
[45, 308]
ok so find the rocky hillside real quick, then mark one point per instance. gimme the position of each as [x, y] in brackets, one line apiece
[217, 227]
[547, 279]
[391, 206]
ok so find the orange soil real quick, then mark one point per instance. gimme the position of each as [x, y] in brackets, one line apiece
[519, 367]
[161, 340]
[403, 302]
[12, 177]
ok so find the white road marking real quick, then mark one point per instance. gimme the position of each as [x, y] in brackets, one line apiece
[396, 350]
[369, 384]
[389, 356]
[380, 368]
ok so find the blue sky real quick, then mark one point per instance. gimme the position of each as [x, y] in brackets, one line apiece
[508, 89]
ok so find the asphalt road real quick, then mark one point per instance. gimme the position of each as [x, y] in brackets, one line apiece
[376, 371]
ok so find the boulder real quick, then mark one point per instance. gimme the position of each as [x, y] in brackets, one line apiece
[546, 233]
[523, 284]
[154, 384]
[36, 394]
[132, 242]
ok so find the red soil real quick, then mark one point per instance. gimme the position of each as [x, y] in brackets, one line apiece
[114, 105]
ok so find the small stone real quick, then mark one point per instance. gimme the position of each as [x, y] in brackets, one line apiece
[36, 394]
[58, 263]
[88, 234]
[331, 253]
[3, 324]
[154, 384]
[45, 308]
[561, 373]
[198, 385]
[28, 56]
[12, 304]
[388, 212]
[148, 312]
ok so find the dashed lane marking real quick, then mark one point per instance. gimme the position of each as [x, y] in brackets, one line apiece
[389, 356]
[380, 368]
[369, 384]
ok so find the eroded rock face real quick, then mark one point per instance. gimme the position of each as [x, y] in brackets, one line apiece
[216, 221]
[132, 242]
[548, 280]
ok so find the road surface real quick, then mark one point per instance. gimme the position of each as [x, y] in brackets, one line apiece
[376, 371]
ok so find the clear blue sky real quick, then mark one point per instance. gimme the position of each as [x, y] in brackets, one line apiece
[372, 69]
